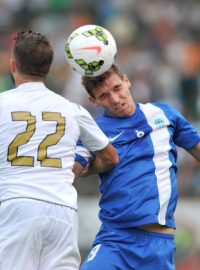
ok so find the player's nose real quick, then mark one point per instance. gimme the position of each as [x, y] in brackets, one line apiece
[114, 98]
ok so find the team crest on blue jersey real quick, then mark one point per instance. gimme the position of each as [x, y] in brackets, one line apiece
[160, 122]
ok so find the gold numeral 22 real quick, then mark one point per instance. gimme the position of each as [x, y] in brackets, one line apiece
[24, 137]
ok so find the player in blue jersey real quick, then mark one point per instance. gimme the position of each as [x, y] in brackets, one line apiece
[138, 196]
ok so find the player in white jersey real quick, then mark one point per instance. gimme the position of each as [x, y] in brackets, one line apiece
[38, 134]
[139, 195]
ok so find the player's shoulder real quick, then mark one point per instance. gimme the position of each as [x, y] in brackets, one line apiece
[159, 109]
[167, 109]
[64, 101]
[74, 108]
[160, 105]
[7, 93]
[56, 96]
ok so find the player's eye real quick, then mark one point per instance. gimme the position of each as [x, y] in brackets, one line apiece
[103, 96]
[117, 88]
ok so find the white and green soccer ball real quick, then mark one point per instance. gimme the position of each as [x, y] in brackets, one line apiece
[91, 50]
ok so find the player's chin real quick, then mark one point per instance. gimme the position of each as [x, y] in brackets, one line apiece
[125, 112]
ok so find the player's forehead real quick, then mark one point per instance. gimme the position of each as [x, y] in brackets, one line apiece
[112, 81]
[109, 84]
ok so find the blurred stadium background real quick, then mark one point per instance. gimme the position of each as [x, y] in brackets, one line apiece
[159, 49]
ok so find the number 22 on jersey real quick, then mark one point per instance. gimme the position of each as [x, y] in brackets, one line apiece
[24, 137]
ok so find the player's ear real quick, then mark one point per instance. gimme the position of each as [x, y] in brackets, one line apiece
[126, 80]
[50, 69]
[12, 65]
[92, 100]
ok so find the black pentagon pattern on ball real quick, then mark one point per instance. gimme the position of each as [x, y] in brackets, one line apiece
[67, 48]
[98, 33]
[89, 67]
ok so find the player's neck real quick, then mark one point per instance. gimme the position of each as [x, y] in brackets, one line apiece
[26, 79]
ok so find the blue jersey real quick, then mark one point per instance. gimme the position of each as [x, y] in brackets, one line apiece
[142, 188]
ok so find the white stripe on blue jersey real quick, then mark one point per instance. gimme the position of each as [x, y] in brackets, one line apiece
[161, 157]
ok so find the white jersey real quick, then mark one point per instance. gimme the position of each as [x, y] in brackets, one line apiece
[38, 134]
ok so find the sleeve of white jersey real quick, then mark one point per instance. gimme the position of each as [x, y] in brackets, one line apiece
[92, 136]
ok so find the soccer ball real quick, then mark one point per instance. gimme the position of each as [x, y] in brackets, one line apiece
[90, 50]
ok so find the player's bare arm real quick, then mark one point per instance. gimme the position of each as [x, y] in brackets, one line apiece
[195, 151]
[77, 169]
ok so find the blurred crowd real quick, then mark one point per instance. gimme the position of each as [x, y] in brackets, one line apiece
[158, 48]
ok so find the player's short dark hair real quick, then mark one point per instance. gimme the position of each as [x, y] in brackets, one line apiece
[93, 83]
[33, 53]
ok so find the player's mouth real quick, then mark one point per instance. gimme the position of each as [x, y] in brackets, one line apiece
[124, 110]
